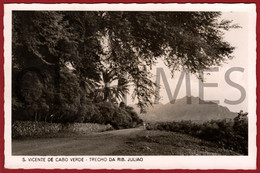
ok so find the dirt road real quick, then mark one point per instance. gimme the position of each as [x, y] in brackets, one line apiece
[135, 141]
[103, 143]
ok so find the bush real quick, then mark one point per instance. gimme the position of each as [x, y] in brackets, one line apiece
[107, 110]
[118, 117]
[34, 129]
[22, 129]
[90, 112]
[232, 135]
[108, 113]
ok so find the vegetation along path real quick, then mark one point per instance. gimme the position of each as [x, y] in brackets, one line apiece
[136, 141]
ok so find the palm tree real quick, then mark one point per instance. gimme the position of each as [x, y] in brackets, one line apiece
[108, 91]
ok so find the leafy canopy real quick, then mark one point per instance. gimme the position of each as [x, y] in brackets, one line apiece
[123, 42]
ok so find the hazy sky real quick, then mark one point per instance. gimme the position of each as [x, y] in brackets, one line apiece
[237, 38]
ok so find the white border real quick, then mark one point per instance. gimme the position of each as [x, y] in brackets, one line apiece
[149, 162]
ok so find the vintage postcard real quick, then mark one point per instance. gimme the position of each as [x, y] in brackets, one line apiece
[130, 86]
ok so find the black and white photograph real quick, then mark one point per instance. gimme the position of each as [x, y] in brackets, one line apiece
[130, 86]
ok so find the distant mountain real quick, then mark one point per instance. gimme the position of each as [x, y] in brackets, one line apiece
[195, 110]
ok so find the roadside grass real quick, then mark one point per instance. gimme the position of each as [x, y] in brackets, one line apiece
[156, 142]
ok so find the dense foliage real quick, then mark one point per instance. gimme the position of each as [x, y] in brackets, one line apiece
[229, 134]
[69, 66]
[32, 129]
